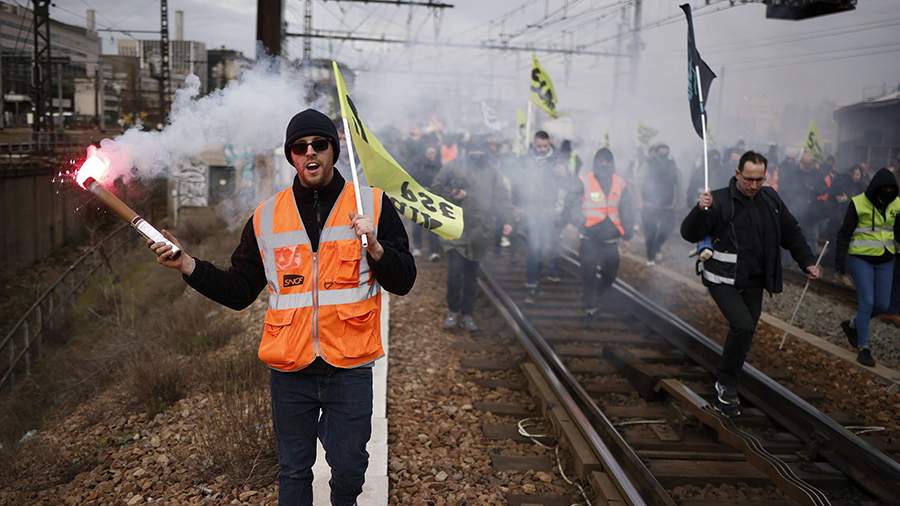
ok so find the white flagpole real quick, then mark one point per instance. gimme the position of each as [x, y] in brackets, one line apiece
[703, 124]
[359, 210]
[528, 124]
[800, 300]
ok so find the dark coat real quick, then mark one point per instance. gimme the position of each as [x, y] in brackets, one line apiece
[486, 204]
[659, 188]
[781, 231]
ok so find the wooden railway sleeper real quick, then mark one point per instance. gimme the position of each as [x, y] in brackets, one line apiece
[784, 477]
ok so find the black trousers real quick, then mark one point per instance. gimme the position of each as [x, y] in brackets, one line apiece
[741, 307]
[594, 253]
[657, 225]
[460, 283]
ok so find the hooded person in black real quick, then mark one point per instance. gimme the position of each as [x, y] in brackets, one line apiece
[748, 224]
[605, 215]
[869, 234]
[659, 196]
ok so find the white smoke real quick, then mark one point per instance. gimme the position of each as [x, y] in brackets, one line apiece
[249, 114]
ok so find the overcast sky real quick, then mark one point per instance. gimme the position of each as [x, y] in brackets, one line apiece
[768, 63]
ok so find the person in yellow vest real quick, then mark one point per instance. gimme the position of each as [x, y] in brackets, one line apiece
[871, 227]
[322, 327]
[603, 209]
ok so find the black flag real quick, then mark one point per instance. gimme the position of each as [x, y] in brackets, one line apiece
[706, 75]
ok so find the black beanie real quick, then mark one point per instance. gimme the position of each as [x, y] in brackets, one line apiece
[310, 122]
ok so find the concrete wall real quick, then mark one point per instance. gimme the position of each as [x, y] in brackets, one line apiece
[37, 216]
[868, 134]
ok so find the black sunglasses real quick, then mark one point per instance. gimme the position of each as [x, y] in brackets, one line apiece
[318, 146]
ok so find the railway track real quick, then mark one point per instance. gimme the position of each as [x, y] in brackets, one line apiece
[636, 384]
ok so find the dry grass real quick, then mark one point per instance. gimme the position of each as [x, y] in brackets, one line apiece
[136, 332]
[155, 379]
[196, 325]
[235, 433]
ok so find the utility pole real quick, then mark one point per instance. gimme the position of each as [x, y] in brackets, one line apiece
[635, 48]
[163, 60]
[41, 73]
[2, 95]
[307, 29]
[269, 19]
[59, 95]
[97, 96]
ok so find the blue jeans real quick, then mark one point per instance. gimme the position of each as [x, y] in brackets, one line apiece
[543, 251]
[873, 292]
[336, 406]
[895, 291]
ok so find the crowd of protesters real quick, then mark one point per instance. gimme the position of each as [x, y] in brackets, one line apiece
[529, 197]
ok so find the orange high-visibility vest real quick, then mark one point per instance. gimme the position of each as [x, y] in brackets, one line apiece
[597, 206]
[321, 304]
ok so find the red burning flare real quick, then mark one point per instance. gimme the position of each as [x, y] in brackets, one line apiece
[94, 167]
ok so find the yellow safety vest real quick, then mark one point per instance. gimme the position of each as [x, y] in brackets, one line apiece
[874, 232]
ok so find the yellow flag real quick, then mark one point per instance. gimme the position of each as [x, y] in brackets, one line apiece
[812, 144]
[542, 92]
[382, 171]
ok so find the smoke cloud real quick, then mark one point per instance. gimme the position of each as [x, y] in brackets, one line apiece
[249, 114]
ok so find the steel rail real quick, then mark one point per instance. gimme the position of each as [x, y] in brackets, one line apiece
[870, 468]
[626, 469]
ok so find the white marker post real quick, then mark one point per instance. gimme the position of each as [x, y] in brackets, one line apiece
[802, 294]
[352, 156]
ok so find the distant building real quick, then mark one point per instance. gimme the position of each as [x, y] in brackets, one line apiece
[80, 45]
[185, 56]
[869, 131]
[224, 66]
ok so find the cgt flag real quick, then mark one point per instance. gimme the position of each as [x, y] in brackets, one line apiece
[542, 92]
[382, 171]
[812, 144]
[698, 108]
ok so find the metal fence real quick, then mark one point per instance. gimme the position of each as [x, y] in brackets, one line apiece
[23, 342]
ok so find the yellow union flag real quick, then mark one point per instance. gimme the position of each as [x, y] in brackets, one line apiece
[409, 197]
[542, 92]
[812, 144]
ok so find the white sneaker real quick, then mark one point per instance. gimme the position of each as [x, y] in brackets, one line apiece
[417, 252]
[650, 263]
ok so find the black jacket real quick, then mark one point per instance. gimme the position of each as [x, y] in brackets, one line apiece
[757, 242]
[881, 178]
[802, 190]
[659, 188]
[239, 286]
